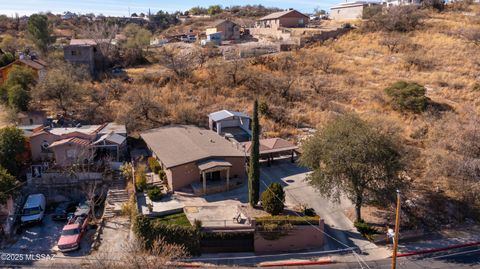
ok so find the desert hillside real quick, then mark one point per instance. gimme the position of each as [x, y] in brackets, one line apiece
[301, 90]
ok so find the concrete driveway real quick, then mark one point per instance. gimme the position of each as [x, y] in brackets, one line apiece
[340, 230]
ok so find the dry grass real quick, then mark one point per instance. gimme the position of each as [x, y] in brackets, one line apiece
[302, 92]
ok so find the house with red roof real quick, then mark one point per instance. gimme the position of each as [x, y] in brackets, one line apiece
[65, 146]
[37, 66]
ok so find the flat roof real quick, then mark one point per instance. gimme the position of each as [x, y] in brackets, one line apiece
[354, 4]
[85, 129]
[272, 145]
[180, 144]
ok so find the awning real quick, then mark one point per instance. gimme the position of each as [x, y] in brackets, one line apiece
[211, 164]
[112, 138]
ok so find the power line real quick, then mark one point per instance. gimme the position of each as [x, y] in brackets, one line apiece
[318, 229]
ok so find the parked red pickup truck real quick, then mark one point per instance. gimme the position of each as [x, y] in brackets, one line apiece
[72, 233]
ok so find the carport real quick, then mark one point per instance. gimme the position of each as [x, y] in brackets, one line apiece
[274, 147]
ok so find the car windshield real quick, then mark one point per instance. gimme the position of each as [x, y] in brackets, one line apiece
[71, 232]
[31, 211]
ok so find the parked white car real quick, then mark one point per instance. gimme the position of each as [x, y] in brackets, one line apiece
[34, 209]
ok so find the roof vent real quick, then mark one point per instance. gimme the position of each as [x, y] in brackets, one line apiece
[212, 141]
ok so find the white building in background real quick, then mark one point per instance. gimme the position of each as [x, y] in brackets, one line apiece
[390, 3]
[68, 15]
[350, 10]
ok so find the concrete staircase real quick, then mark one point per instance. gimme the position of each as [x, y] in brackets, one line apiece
[117, 195]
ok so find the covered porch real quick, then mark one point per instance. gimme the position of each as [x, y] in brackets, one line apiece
[215, 177]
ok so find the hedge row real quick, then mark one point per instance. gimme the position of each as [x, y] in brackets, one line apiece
[148, 231]
[293, 220]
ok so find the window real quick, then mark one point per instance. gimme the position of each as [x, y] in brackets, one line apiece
[300, 21]
[76, 53]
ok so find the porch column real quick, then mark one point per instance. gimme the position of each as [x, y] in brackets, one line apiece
[204, 182]
[228, 178]
[293, 160]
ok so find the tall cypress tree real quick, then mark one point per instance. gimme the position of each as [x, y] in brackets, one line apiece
[254, 165]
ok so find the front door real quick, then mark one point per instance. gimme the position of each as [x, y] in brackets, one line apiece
[213, 176]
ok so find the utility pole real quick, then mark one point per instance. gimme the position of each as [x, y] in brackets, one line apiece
[395, 238]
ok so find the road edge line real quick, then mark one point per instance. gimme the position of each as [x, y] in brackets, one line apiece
[433, 250]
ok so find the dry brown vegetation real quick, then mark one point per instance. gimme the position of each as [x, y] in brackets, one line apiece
[306, 88]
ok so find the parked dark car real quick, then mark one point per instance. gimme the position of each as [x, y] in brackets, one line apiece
[63, 209]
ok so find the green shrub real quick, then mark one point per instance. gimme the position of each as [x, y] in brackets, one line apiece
[309, 212]
[148, 231]
[273, 199]
[155, 193]
[293, 220]
[154, 165]
[408, 96]
[365, 229]
[197, 224]
[162, 175]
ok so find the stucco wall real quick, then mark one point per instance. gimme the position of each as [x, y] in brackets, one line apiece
[301, 237]
[299, 21]
[79, 153]
[36, 148]
[347, 13]
[184, 175]
[83, 55]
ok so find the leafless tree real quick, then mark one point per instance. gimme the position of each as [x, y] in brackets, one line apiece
[235, 71]
[103, 34]
[285, 85]
[395, 19]
[322, 60]
[392, 41]
[133, 255]
[180, 62]
[141, 109]
[456, 157]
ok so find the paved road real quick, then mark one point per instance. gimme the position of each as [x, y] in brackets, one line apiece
[459, 258]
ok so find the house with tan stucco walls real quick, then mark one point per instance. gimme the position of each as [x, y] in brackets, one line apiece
[190, 155]
[65, 146]
[284, 19]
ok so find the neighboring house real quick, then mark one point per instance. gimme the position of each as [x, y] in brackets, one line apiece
[31, 118]
[390, 3]
[83, 144]
[350, 10]
[286, 19]
[191, 155]
[230, 124]
[83, 52]
[273, 147]
[38, 67]
[68, 15]
[228, 29]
